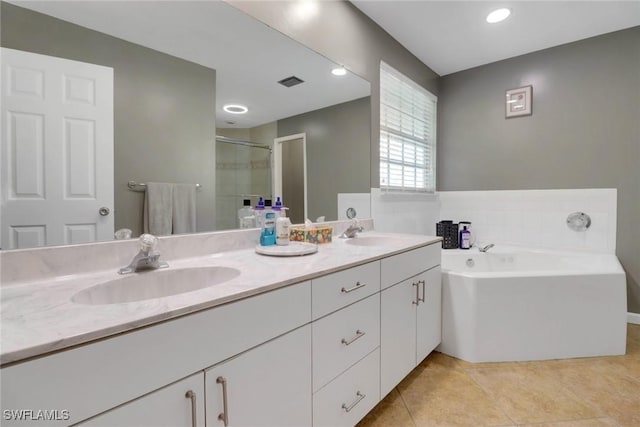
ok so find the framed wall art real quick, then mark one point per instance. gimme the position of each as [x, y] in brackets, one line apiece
[518, 102]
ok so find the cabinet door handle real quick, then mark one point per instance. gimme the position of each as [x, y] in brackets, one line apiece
[359, 334]
[224, 415]
[417, 301]
[355, 288]
[359, 397]
[422, 282]
[191, 395]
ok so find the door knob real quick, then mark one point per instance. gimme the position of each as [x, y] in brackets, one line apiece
[104, 211]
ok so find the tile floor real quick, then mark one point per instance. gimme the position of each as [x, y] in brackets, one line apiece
[586, 392]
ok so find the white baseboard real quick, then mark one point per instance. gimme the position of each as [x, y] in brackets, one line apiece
[633, 318]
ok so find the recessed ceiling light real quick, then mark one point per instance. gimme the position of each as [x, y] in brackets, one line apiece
[498, 15]
[235, 109]
[339, 71]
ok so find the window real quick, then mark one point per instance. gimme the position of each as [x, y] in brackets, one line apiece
[407, 134]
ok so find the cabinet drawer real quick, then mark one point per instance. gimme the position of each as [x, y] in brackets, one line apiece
[334, 291]
[348, 398]
[343, 338]
[399, 267]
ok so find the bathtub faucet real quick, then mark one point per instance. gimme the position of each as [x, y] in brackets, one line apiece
[486, 248]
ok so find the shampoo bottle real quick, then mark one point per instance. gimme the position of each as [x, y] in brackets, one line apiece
[465, 238]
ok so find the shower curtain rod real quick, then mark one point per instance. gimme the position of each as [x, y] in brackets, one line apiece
[226, 140]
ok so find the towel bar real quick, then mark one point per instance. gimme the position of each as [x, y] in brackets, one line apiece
[142, 187]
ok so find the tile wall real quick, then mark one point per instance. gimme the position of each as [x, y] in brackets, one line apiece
[405, 213]
[535, 217]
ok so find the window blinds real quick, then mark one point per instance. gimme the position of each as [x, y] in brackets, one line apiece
[407, 134]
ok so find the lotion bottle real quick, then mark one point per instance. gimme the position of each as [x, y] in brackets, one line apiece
[283, 224]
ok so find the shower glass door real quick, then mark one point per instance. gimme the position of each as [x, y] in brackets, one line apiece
[243, 171]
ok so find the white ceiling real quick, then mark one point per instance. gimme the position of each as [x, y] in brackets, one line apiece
[249, 57]
[451, 36]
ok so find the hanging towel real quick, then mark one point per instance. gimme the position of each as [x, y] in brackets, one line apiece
[158, 209]
[184, 208]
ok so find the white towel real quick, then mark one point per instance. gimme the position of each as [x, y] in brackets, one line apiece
[184, 208]
[158, 209]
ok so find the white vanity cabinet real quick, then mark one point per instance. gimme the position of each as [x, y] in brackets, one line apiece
[180, 404]
[317, 353]
[268, 385]
[410, 314]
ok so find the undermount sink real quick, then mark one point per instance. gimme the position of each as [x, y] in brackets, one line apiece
[371, 241]
[154, 284]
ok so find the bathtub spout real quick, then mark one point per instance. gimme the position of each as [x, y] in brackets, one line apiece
[486, 248]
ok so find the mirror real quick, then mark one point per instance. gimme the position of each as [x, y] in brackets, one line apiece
[176, 63]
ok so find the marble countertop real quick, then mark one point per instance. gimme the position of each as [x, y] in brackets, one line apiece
[39, 317]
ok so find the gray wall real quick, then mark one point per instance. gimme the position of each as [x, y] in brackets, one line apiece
[164, 108]
[339, 31]
[584, 131]
[338, 147]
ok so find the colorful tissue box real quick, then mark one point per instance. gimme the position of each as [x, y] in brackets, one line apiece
[315, 235]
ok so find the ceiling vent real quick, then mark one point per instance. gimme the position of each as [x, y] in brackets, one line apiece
[291, 81]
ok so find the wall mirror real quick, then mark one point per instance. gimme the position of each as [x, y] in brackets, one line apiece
[176, 64]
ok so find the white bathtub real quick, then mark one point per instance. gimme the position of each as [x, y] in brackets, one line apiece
[515, 304]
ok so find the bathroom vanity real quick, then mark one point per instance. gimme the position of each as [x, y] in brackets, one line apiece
[315, 340]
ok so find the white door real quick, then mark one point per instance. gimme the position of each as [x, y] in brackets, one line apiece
[290, 174]
[57, 151]
[397, 333]
[429, 317]
[269, 385]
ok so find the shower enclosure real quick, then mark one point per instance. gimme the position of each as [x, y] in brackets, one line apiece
[243, 171]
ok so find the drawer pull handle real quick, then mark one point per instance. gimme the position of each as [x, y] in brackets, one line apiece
[355, 288]
[417, 301]
[359, 397]
[224, 415]
[191, 395]
[359, 334]
[422, 282]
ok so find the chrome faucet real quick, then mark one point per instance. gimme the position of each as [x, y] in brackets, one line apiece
[486, 248]
[352, 230]
[147, 258]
